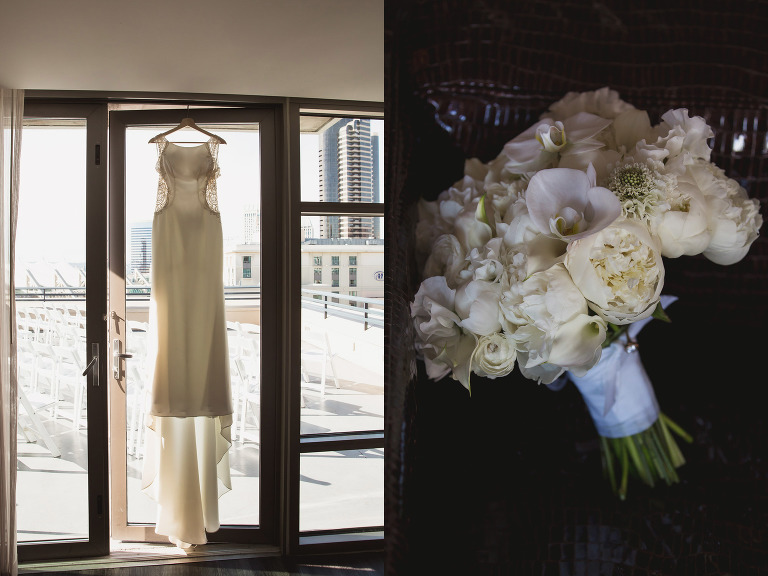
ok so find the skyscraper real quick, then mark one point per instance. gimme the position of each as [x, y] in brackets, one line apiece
[348, 170]
[251, 225]
[141, 248]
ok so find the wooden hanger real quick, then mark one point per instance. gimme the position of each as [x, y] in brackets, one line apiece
[187, 122]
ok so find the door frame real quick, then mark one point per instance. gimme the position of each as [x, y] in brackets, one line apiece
[97, 543]
[266, 116]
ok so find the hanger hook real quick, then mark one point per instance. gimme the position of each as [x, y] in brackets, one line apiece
[187, 110]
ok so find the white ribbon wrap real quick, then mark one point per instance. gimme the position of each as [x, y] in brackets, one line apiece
[617, 389]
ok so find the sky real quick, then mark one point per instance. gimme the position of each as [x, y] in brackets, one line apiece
[52, 223]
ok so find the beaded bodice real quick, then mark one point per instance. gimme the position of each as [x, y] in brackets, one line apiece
[185, 166]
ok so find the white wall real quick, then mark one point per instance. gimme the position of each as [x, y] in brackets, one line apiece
[299, 48]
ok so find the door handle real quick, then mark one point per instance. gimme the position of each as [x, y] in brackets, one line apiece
[116, 356]
[93, 365]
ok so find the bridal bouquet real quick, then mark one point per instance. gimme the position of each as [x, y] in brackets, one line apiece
[551, 258]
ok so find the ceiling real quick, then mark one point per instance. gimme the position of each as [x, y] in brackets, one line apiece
[297, 48]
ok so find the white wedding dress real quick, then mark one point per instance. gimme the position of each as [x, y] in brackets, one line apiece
[186, 462]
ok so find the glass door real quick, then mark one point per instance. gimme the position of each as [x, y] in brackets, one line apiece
[247, 204]
[62, 466]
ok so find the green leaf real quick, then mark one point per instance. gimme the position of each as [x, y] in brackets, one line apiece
[660, 314]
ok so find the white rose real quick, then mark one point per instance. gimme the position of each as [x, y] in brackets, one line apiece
[619, 271]
[477, 304]
[494, 355]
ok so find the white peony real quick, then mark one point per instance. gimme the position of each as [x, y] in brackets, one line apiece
[683, 229]
[603, 102]
[547, 316]
[494, 355]
[734, 218]
[619, 271]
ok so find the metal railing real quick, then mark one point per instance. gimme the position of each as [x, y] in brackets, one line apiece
[368, 311]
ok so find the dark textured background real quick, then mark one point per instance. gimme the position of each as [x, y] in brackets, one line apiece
[509, 481]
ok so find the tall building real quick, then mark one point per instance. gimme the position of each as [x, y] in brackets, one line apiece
[141, 248]
[348, 168]
[251, 225]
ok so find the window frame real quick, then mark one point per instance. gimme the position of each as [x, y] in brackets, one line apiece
[288, 112]
[331, 540]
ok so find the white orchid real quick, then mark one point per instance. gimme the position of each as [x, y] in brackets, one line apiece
[549, 142]
[566, 204]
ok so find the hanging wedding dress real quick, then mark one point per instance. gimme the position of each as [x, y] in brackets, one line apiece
[186, 463]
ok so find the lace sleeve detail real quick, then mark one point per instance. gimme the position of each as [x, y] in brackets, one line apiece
[211, 196]
[162, 185]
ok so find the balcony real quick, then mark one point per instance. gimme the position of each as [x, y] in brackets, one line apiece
[342, 391]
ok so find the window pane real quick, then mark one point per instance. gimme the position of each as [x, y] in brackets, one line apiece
[343, 336]
[341, 490]
[341, 161]
[335, 277]
[52, 462]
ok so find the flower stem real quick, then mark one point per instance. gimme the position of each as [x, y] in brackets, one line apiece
[650, 455]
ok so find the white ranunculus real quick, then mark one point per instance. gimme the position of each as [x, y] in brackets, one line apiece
[447, 258]
[494, 355]
[566, 204]
[619, 271]
[439, 337]
[683, 228]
